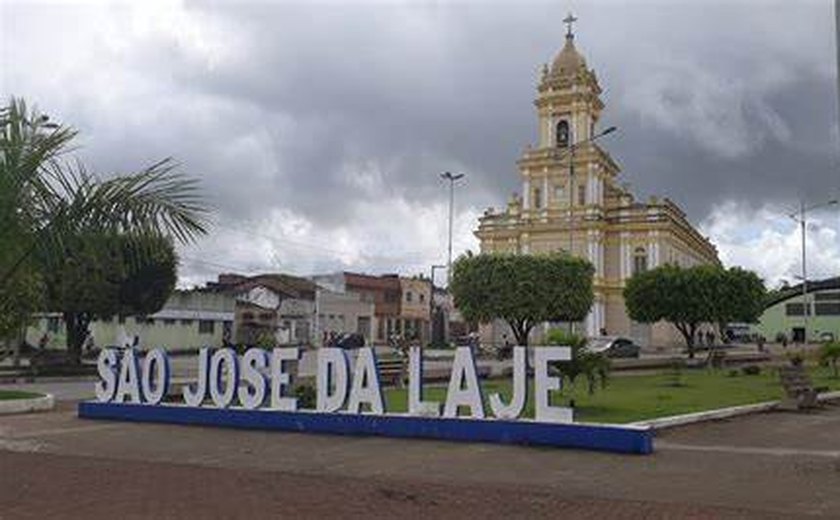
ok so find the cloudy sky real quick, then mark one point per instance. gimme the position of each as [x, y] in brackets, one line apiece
[319, 129]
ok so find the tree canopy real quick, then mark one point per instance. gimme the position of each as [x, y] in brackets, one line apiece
[689, 297]
[50, 204]
[523, 290]
[104, 275]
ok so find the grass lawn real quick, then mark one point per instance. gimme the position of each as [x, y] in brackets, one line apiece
[634, 398]
[16, 394]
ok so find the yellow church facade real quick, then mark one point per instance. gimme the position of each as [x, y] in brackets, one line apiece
[572, 201]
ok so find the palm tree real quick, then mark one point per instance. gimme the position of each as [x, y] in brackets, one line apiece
[47, 198]
[593, 366]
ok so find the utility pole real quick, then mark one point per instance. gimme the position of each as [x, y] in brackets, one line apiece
[802, 220]
[451, 178]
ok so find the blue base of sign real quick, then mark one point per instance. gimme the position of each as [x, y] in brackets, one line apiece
[616, 439]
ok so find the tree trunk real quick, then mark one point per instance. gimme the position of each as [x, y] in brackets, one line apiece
[688, 331]
[77, 332]
[520, 332]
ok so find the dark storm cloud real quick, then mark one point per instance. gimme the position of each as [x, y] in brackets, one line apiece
[321, 108]
[713, 102]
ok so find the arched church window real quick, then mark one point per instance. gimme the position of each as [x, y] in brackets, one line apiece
[640, 263]
[563, 134]
[537, 198]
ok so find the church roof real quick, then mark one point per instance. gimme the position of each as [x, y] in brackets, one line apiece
[568, 61]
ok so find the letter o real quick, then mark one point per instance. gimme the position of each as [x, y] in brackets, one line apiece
[223, 397]
[156, 363]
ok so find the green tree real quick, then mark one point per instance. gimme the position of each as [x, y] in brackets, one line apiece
[103, 276]
[593, 366]
[689, 297]
[48, 202]
[51, 198]
[522, 290]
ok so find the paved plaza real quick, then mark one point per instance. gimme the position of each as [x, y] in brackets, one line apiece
[775, 465]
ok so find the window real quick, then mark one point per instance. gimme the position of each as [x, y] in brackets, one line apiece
[581, 195]
[563, 134]
[52, 325]
[186, 322]
[422, 297]
[827, 309]
[206, 326]
[639, 260]
[409, 297]
[248, 316]
[794, 309]
[266, 316]
[169, 321]
[560, 193]
[537, 198]
[827, 296]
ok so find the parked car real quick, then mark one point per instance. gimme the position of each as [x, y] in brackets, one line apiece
[350, 341]
[614, 347]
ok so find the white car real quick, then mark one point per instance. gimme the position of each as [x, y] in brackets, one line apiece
[614, 347]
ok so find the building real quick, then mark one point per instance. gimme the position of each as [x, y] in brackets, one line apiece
[188, 320]
[275, 308]
[573, 201]
[343, 313]
[414, 320]
[784, 314]
[402, 305]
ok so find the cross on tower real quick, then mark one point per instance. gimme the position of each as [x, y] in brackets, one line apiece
[569, 20]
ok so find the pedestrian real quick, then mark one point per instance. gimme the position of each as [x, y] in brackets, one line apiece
[760, 343]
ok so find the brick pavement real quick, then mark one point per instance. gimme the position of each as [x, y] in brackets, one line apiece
[780, 465]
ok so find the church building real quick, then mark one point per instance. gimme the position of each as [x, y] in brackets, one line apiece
[572, 201]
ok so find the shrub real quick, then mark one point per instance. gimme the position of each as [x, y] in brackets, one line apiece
[751, 370]
[675, 372]
[829, 355]
[796, 358]
[306, 395]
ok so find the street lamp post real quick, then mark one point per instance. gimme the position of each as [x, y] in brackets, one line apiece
[802, 220]
[432, 304]
[571, 154]
[451, 178]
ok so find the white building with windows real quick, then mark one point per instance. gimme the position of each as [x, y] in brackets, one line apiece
[188, 320]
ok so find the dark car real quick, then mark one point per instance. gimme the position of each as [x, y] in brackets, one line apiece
[614, 347]
[350, 341]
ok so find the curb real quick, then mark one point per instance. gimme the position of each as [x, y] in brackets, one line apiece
[34, 404]
[709, 415]
[721, 413]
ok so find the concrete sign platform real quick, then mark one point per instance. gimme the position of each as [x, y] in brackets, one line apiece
[610, 438]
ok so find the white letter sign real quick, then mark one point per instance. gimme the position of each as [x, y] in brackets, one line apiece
[416, 405]
[366, 387]
[463, 386]
[520, 388]
[281, 380]
[223, 394]
[196, 397]
[544, 383]
[156, 364]
[332, 377]
[252, 394]
[107, 365]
